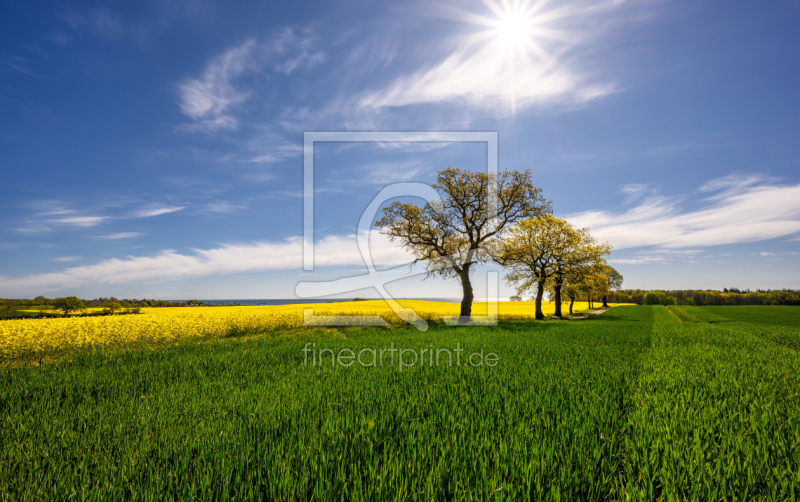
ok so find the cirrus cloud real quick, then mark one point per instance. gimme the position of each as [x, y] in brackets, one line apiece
[228, 259]
[746, 208]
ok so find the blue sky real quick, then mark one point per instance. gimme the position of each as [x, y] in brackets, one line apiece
[154, 149]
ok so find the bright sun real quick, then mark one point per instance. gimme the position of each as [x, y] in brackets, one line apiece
[513, 28]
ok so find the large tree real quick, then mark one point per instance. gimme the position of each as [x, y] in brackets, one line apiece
[68, 304]
[465, 227]
[532, 253]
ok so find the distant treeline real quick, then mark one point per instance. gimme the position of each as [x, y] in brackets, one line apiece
[732, 296]
[47, 307]
[41, 301]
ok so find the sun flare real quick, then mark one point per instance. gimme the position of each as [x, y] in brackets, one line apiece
[513, 28]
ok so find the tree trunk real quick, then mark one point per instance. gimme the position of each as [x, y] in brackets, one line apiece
[571, 303]
[605, 302]
[539, 296]
[466, 286]
[589, 301]
[558, 299]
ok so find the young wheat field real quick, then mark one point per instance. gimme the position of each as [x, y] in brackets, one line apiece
[639, 403]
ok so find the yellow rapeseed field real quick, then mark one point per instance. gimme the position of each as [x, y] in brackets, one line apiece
[32, 337]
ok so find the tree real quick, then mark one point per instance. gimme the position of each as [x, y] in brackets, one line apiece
[549, 252]
[112, 306]
[11, 307]
[68, 304]
[532, 251]
[571, 288]
[658, 298]
[778, 297]
[582, 282]
[610, 280]
[579, 258]
[465, 227]
[593, 283]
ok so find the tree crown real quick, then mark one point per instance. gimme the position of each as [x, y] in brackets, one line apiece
[466, 225]
[547, 249]
[68, 304]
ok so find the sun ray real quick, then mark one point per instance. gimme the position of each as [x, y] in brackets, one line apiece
[516, 48]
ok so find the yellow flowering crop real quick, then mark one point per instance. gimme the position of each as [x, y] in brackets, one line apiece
[20, 338]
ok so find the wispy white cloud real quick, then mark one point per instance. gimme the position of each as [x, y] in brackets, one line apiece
[99, 20]
[223, 207]
[747, 208]
[638, 260]
[51, 208]
[735, 183]
[67, 258]
[17, 64]
[80, 221]
[210, 99]
[118, 235]
[157, 210]
[58, 38]
[33, 229]
[105, 23]
[633, 189]
[484, 80]
[289, 50]
[267, 147]
[636, 191]
[207, 99]
[230, 259]
[659, 256]
[379, 173]
[50, 215]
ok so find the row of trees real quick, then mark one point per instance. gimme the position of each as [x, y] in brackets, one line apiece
[16, 308]
[70, 304]
[550, 254]
[501, 218]
[732, 296]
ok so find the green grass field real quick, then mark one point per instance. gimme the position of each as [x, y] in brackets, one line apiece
[778, 315]
[629, 405]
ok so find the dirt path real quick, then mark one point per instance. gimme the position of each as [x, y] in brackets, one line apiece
[587, 314]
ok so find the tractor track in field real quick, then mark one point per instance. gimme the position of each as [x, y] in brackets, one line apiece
[673, 314]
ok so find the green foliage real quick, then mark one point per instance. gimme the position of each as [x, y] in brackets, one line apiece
[112, 306]
[68, 304]
[733, 296]
[658, 298]
[779, 297]
[548, 251]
